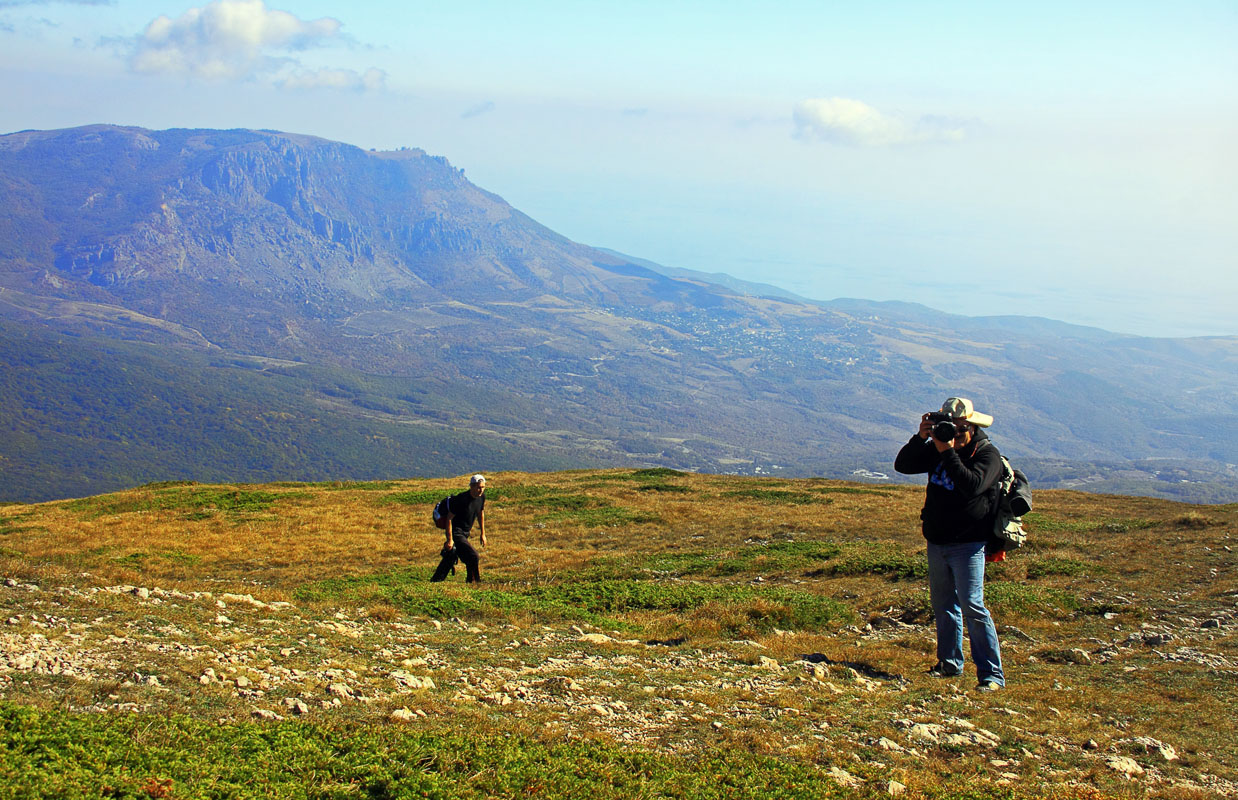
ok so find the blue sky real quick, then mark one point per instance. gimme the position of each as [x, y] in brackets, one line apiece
[1075, 161]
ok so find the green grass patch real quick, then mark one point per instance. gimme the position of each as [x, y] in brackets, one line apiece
[874, 560]
[1039, 522]
[601, 601]
[71, 756]
[589, 511]
[15, 524]
[192, 501]
[851, 490]
[1020, 598]
[777, 496]
[1044, 567]
[139, 558]
[415, 497]
[528, 493]
[778, 557]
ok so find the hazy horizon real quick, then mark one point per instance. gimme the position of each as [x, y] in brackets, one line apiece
[1059, 161]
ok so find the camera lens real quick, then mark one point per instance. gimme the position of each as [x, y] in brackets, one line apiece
[944, 431]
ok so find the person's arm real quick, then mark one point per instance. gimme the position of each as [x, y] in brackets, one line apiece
[450, 516]
[917, 456]
[481, 525]
[984, 472]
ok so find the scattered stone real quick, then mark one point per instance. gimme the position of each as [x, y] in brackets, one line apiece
[844, 777]
[560, 685]
[403, 715]
[296, 705]
[262, 713]
[1210, 623]
[895, 789]
[340, 690]
[220, 619]
[765, 662]
[1124, 765]
[1015, 633]
[1146, 744]
[412, 681]
[1091, 744]
[596, 638]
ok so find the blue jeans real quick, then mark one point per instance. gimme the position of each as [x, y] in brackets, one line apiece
[956, 590]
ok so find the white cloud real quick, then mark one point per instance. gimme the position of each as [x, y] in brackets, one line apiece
[347, 79]
[840, 120]
[243, 39]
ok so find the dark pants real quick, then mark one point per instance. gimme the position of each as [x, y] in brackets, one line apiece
[463, 551]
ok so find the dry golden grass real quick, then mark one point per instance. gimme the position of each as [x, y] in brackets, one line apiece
[1098, 570]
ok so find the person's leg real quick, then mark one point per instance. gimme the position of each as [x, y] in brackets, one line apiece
[470, 558]
[946, 610]
[445, 566]
[981, 632]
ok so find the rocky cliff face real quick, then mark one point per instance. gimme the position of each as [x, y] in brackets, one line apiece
[277, 227]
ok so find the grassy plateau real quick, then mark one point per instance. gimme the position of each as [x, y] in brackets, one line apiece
[638, 634]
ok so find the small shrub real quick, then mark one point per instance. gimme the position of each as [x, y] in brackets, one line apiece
[1194, 520]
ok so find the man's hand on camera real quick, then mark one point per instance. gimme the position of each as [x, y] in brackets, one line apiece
[926, 427]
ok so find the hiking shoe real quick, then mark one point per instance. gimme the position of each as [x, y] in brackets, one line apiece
[943, 670]
[988, 686]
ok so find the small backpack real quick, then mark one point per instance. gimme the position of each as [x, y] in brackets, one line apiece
[1014, 499]
[440, 512]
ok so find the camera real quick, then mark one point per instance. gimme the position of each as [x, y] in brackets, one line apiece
[944, 429]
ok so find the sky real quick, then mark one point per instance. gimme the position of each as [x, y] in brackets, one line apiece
[1077, 161]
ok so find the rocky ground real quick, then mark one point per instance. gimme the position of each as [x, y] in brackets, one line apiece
[135, 649]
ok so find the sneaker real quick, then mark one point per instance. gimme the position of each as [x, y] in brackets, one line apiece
[988, 686]
[943, 670]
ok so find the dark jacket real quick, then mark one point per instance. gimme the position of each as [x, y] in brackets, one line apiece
[960, 501]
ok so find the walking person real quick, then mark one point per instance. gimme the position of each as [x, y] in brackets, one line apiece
[464, 510]
[960, 506]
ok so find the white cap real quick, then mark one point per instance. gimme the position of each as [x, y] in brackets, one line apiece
[961, 408]
[478, 478]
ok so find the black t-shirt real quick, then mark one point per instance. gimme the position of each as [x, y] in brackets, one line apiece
[465, 509]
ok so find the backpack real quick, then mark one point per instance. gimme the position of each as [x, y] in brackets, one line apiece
[439, 515]
[1014, 499]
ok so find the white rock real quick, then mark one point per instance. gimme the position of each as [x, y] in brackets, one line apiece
[403, 715]
[1124, 765]
[844, 777]
[894, 788]
[262, 713]
[596, 638]
[765, 662]
[340, 690]
[412, 681]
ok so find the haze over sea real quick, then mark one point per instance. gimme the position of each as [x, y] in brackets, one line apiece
[1050, 159]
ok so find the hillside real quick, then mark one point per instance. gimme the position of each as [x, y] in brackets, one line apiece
[281, 640]
[386, 295]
